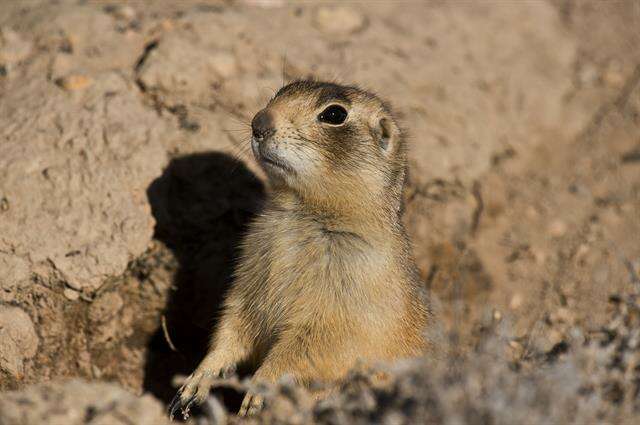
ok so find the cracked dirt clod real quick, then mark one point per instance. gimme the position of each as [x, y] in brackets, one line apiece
[18, 340]
[80, 180]
[76, 402]
[163, 74]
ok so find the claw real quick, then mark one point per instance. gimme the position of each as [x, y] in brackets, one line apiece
[194, 391]
[251, 405]
[175, 404]
[178, 405]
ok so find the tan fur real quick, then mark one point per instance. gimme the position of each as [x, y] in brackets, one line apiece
[325, 278]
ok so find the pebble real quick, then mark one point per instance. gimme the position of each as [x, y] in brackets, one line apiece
[497, 315]
[71, 294]
[75, 82]
[517, 348]
[339, 20]
[516, 302]
[265, 3]
[127, 13]
[97, 372]
[557, 228]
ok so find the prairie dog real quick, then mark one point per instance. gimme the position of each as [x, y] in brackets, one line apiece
[326, 277]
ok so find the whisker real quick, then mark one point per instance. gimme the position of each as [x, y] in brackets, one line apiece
[235, 130]
[242, 151]
[284, 68]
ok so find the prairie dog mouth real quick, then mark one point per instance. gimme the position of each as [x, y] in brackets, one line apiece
[267, 158]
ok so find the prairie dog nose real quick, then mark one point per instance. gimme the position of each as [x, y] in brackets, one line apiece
[262, 125]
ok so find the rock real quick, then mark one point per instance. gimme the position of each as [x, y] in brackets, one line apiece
[75, 82]
[497, 315]
[124, 12]
[18, 340]
[557, 228]
[71, 294]
[13, 48]
[76, 402]
[265, 3]
[339, 20]
[516, 301]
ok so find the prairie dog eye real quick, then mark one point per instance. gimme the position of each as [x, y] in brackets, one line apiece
[333, 114]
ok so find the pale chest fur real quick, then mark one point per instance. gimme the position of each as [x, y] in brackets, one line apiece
[295, 274]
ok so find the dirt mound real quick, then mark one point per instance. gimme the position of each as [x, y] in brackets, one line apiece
[78, 402]
[126, 183]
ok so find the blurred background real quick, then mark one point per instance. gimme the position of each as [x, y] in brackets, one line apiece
[126, 181]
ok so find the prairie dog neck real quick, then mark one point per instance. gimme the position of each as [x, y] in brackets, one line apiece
[341, 216]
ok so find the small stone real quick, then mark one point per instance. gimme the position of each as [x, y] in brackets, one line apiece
[516, 302]
[557, 228]
[555, 337]
[339, 20]
[497, 315]
[517, 348]
[167, 25]
[265, 3]
[127, 13]
[74, 82]
[532, 213]
[97, 372]
[71, 294]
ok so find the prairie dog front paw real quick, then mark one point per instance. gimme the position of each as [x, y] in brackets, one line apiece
[195, 390]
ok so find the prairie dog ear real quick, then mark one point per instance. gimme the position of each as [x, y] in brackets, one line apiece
[385, 133]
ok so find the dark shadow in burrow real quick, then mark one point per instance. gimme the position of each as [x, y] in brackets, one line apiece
[202, 204]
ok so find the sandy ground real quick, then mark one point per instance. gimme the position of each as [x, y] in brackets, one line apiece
[126, 182]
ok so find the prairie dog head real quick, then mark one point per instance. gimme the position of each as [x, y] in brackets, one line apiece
[327, 141]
